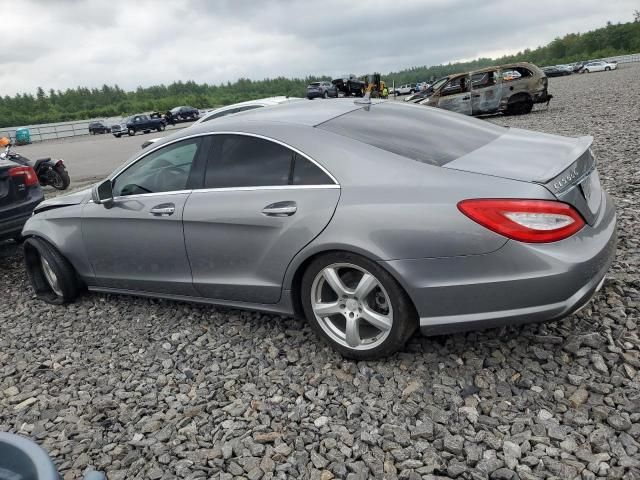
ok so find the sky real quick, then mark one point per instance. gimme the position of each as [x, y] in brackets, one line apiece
[63, 44]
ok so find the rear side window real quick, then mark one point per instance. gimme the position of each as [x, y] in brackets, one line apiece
[424, 134]
[245, 161]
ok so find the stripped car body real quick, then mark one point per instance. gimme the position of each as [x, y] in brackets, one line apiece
[512, 89]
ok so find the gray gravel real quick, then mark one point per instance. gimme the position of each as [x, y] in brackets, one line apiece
[156, 389]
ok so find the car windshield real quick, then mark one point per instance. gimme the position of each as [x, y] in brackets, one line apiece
[175, 110]
[439, 83]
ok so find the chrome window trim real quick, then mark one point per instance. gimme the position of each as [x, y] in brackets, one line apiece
[267, 187]
[114, 175]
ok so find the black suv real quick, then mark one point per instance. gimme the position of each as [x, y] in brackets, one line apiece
[185, 114]
[98, 127]
[20, 192]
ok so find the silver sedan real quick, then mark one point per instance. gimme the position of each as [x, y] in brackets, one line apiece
[369, 220]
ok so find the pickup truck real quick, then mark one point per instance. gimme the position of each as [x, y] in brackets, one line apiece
[137, 123]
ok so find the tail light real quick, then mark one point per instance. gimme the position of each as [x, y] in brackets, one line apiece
[28, 173]
[532, 221]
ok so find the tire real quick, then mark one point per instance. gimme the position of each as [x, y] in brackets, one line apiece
[325, 95]
[161, 128]
[64, 288]
[131, 132]
[520, 107]
[60, 179]
[117, 135]
[146, 131]
[390, 302]
[586, 70]
[607, 69]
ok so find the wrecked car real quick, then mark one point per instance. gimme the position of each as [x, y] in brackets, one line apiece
[512, 89]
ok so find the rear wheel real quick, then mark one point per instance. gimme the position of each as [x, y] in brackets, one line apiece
[131, 132]
[160, 128]
[586, 70]
[53, 278]
[325, 94]
[356, 306]
[519, 106]
[117, 135]
[606, 69]
[59, 178]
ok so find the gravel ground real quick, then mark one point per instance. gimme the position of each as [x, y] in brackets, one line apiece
[156, 389]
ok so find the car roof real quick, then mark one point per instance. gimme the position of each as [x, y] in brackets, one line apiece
[307, 113]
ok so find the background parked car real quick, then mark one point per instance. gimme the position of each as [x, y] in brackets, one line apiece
[555, 71]
[185, 113]
[20, 193]
[321, 89]
[406, 89]
[599, 66]
[98, 127]
[137, 123]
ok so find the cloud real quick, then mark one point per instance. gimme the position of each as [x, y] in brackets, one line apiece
[71, 43]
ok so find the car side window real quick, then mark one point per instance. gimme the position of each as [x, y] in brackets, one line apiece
[305, 172]
[483, 80]
[245, 161]
[164, 170]
[457, 85]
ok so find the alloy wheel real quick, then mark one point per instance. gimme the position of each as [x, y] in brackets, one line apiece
[51, 277]
[351, 306]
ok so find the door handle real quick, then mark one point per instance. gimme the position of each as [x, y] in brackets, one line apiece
[280, 209]
[163, 210]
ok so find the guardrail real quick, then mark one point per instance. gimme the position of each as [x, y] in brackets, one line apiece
[53, 131]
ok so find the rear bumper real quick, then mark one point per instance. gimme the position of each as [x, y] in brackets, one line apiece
[519, 283]
[314, 94]
[12, 221]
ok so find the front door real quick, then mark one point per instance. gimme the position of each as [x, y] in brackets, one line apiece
[138, 243]
[262, 203]
[456, 96]
[485, 92]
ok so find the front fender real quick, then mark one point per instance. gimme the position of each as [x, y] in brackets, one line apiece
[62, 228]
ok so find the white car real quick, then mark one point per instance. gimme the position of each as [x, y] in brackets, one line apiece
[235, 108]
[406, 89]
[600, 66]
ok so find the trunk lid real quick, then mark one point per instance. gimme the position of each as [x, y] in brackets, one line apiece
[564, 165]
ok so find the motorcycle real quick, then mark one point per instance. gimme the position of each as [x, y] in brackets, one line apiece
[49, 171]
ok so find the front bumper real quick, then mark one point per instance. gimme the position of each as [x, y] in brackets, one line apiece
[519, 283]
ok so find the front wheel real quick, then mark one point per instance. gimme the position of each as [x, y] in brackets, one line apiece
[356, 306]
[117, 135]
[606, 69]
[586, 70]
[52, 277]
[325, 95]
[160, 128]
[131, 132]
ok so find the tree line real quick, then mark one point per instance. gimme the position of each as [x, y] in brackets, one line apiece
[84, 103]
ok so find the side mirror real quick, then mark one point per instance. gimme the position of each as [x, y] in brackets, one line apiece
[103, 194]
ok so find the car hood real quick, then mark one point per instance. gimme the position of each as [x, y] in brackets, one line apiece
[523, 155]
[73, 198]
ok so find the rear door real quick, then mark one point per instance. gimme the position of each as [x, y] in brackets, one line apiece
[456, 96]
[262, 202]
[485, 92]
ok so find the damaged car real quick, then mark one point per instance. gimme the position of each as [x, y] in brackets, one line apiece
[511, 89]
